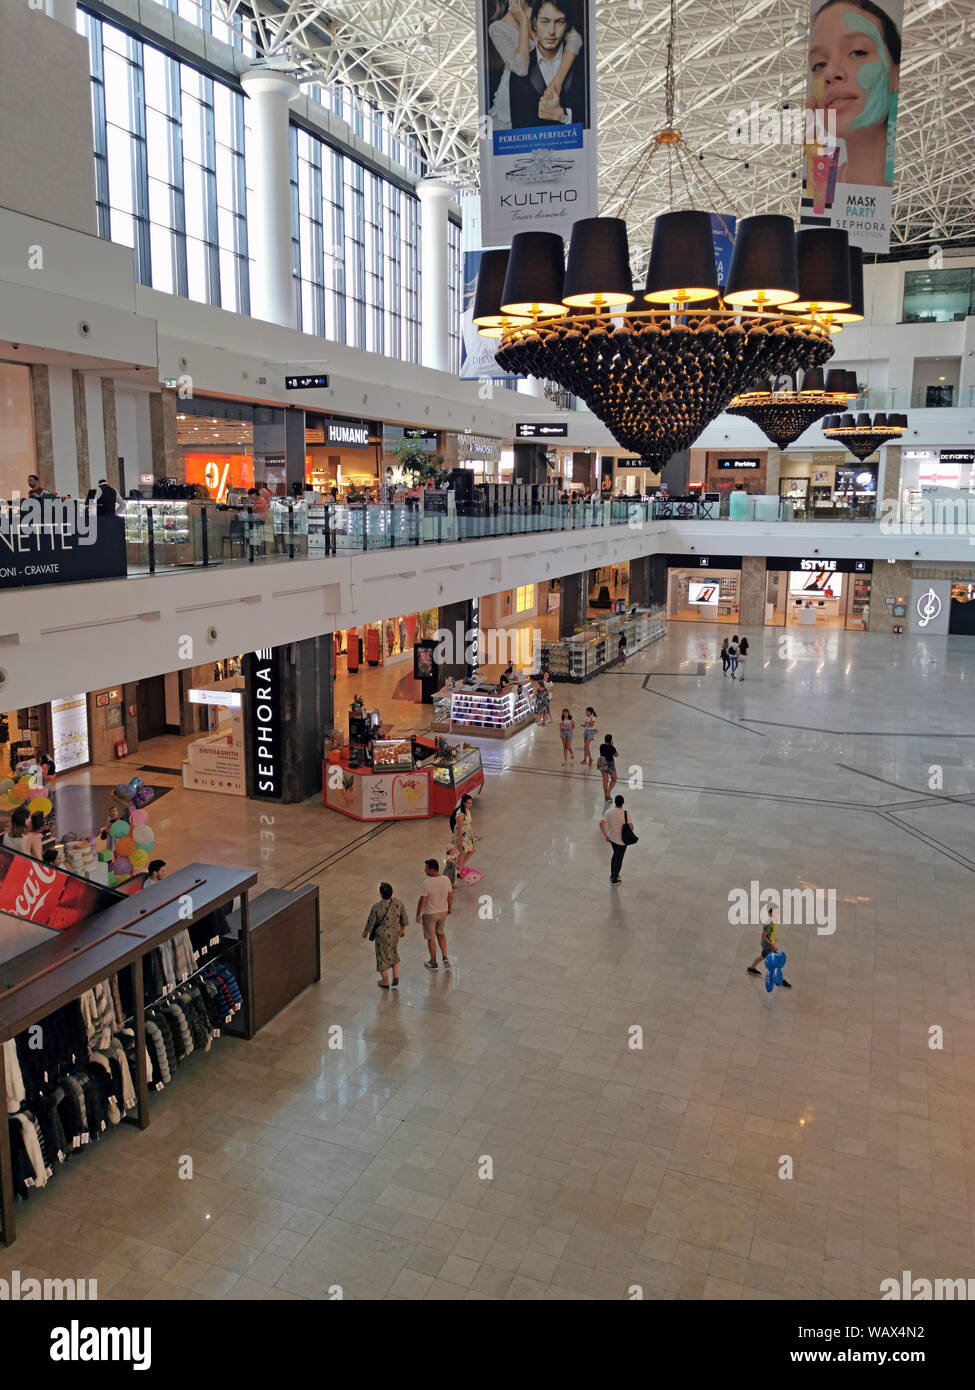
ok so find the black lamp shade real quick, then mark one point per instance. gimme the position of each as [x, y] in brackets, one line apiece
[836, 382]
[863, 421]
[812, 382]
[536, 272]
[763, 267]
[598, 270]
[854, 314]
[880, 420]
[847, 422]
[682, 262]
[852, 385]
[899, 421]
[490, 283]
[823, 260]
[831, 422]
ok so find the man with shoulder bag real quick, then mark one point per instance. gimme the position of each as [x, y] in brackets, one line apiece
[618, 832]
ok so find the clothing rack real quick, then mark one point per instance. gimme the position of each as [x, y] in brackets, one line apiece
[75, 960]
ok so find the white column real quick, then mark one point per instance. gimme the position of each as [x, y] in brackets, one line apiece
[434, 197]
[269, 198]
[64, 11]
[531, 386]
[64, 445]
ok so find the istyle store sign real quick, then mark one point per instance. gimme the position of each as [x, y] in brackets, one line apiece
[817, 564]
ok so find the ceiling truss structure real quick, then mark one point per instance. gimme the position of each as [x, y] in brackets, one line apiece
[416, 59]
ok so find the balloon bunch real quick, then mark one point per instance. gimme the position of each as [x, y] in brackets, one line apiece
[655, 380]
[131, 838]
[22, 792]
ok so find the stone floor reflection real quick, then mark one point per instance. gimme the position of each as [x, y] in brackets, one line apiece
[844, 762]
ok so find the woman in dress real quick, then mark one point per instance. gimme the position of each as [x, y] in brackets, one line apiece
[621, 650]
[589, 732]
[388, 919]
[509, 27]
[567, 727]
[543, 699]
[461, 823]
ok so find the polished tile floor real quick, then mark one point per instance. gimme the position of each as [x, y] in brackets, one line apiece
[497, 1131]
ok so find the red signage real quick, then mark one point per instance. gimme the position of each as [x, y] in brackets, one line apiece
[51, 897]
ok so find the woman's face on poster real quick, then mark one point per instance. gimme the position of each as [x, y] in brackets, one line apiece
[852, 69]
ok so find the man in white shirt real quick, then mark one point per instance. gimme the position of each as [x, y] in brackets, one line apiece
[435, 905]
[612, 827]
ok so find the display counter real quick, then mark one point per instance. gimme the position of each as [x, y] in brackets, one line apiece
[199, 531]
[595, 647]
[434, 786]
[480, 711]
[453, 773]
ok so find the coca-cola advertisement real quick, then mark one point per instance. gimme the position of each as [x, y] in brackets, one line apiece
[50, 897]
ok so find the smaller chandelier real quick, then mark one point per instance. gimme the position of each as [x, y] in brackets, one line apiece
[861, 435]
[783, 410]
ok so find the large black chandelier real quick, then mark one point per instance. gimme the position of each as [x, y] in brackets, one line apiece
[784, 410]
[657, 365]
[863, 435]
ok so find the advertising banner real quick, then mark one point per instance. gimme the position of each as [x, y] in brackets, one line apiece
[69, 727]
[476, 353]
[537, 115]
[854, 56]
[51, 897]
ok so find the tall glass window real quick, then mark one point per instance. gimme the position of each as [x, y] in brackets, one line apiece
[169, 167]
[354, 240]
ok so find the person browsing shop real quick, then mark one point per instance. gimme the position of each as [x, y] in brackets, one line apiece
[21, 837]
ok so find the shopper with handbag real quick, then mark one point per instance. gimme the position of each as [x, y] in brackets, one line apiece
[385, 925]
[619, 833]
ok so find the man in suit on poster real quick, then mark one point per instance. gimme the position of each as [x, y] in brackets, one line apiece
[534, 101]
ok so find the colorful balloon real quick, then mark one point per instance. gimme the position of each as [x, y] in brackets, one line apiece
[144, 796]
[41, 804]
[138, 858]
[136, 783]
[21, 792]
[125, 846]
[119, 828]
[123, 867]
[139, 818]
[5, 784]
[142, 834]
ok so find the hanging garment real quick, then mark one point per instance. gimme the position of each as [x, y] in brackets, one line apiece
[14, 1088]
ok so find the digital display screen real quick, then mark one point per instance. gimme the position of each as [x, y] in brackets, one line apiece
[826, 583]
[702, 593]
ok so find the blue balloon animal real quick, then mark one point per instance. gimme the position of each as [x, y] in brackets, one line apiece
[774, 962]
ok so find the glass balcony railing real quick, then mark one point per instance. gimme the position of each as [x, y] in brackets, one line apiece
[162, 536]
[934, 397]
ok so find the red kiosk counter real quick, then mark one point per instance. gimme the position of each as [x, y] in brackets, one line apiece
[398, 788]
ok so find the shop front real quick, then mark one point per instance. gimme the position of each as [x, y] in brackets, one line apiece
[229, 446]
[215, 761]
[59, 730]
[345, 454]
[704, 588]
[935, 474]
[827, 484]
[818, 592]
